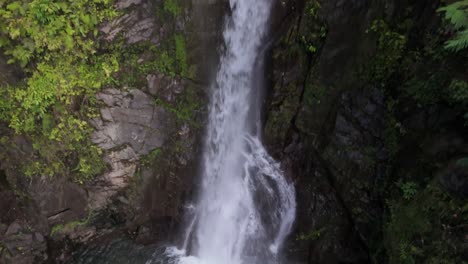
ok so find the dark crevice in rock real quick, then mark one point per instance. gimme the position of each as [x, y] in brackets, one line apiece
[56, 214]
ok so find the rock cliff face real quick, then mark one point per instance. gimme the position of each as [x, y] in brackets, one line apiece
[330, 124]
[345, 134]
[320, 123]
[149, 130]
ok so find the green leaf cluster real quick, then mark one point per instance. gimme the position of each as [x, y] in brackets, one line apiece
[458, 91]
[186, 107]
[312, 235]
[390, 49]
[311, 39]
[426, 227]
[417, 73]
[457, 14]
[54, 43]
[181, 54]
[145, 58]
[409, 189]
[57, 83]
[44, 29]
[173, 7]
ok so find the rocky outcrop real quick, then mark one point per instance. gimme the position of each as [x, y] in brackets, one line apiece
[131, 125]
[166, 88]
[20, 244]
[136, 24]
[357, 147]
[22, 228]
[337, 203]
[59, 201]
[335, 131]
[324, 121]
[326, 128]
[149, 142]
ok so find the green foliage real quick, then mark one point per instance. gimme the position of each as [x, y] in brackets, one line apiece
[312, 235]
[56, 229]
[424, 229]
[463, 162]
[186, 107]
[152, 157]
[53, 42]
[57, 82]
[41, 29]
[145, 58]
[390, 47]
[426, 91]
[181, 54]
[70, 226]
[316, 33]
[417, 74]
[43, 109]
[459, 42]
[66, 145]
[409, 190]
[457, 14]
[312, 8]
[169, 59]
[458, 91]
[173, 7]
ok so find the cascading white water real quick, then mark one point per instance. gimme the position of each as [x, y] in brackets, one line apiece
[246, 207]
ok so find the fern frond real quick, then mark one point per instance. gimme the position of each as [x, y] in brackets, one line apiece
[459, 42]
[456, 13]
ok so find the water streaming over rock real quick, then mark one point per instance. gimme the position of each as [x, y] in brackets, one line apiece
[246, 206]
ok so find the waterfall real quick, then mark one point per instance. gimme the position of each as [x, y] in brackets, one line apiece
[246, 207]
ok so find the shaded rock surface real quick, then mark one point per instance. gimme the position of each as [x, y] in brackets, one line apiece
[329, 126]
[135, 25]
[149, 150]
[60, 201]
[22, 245]
[322, 121]
[165, 87]
[130, 118]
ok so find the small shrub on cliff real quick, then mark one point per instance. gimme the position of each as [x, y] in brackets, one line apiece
[426, 229]
[409, 190]
[173, 7]
[458, 91]
[390, 47]
[181, 54]
[44, 29]
[312, 235]
[312, 38]
[53, 42]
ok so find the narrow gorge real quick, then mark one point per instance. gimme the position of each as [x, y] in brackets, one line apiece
[233, 131]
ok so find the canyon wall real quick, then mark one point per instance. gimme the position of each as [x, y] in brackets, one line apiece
[359, 112]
